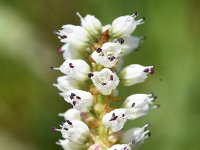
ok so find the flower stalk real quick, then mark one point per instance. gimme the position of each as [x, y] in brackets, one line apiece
[92, 71]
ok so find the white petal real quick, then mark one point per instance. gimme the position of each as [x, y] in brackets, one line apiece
[71, 114]
[120, 147]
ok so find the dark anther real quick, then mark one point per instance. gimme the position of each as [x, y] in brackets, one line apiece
[103, 83]
[98, 50]
[69, 122]
[136, 13]
[123, 115]
[112, 58]
[74, 103]
[63, 36]
[72, 95]
[113, 117]
[146, 70]
[53, 129]
[71, 65]
[78, 97]
[120, 40]
[155, 97]
[143, 18]
[51, 67]
[148, 134]
[133, 105]
[111, 77]
[90, 74]
[152, 70]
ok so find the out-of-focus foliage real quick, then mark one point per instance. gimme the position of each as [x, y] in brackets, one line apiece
[29, 103]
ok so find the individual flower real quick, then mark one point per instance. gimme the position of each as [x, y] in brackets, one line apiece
[75, 131]
[107, 55]
[71, 114]
[116, 119]
[130, 44]
[65, 83]
[75, 68]
[68, 145]
[91, 24]
[141, 104]
[124, 25]
[105, 80]
[70, 52]
[120, 147]
[136, 136]
[80, 100]
[75, 36]
[135, 73]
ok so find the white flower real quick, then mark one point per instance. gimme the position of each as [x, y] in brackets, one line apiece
[76, 36]
[65, 83]
[68, 145]
[80, 100]
[136, 136]
[71, 114]
[135, 73]
[120, 147]
[91, 24]
[69, 52]
[75, 68]
[105, 80]
[75, 131]
[107, 55]
[139, 104]
[116, 119]
[124, 25]
[130, 44]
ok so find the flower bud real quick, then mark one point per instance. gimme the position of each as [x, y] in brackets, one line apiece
[105, 81]
[65, 83]
[139, 104]
[116, 119]
[71, 114]
[80, 100]
[135, 73]
[124, 25]
[91, 24]
[107, 55]
[136, 136]
[95, 147]
[76, 68]
[75, 131]
[120, 147]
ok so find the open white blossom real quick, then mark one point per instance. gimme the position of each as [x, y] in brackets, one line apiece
[107, 55]
[75, 36]
[70, 52]
[124, 25]
[120, 147]
[135, 73]
[91, 24]
[116, 119]
[68, 145]
[71, 114]
[75, 131]
[139, 104]
[80, 100]
[65, 83]
[130, 44]
[105, 81]
[136, 136]
[75, 68]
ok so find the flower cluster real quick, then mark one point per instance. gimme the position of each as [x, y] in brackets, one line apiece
[93, 56]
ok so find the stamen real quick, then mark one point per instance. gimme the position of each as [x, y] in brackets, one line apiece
[120, 40]
[90, 74]
[78, 97]
[135, 14]
[71, 65]
[103, 83]
[152, 70]
[98, 50]
[111, 77]
[63, 36]
[74, 103]
[113, 117]
[133, 105]
[146, 70]
[72, 95]
[69, 122]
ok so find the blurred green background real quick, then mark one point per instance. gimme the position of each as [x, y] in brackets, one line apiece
[29, 104]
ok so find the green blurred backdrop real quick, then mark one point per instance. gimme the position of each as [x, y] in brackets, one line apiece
[29, 104]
